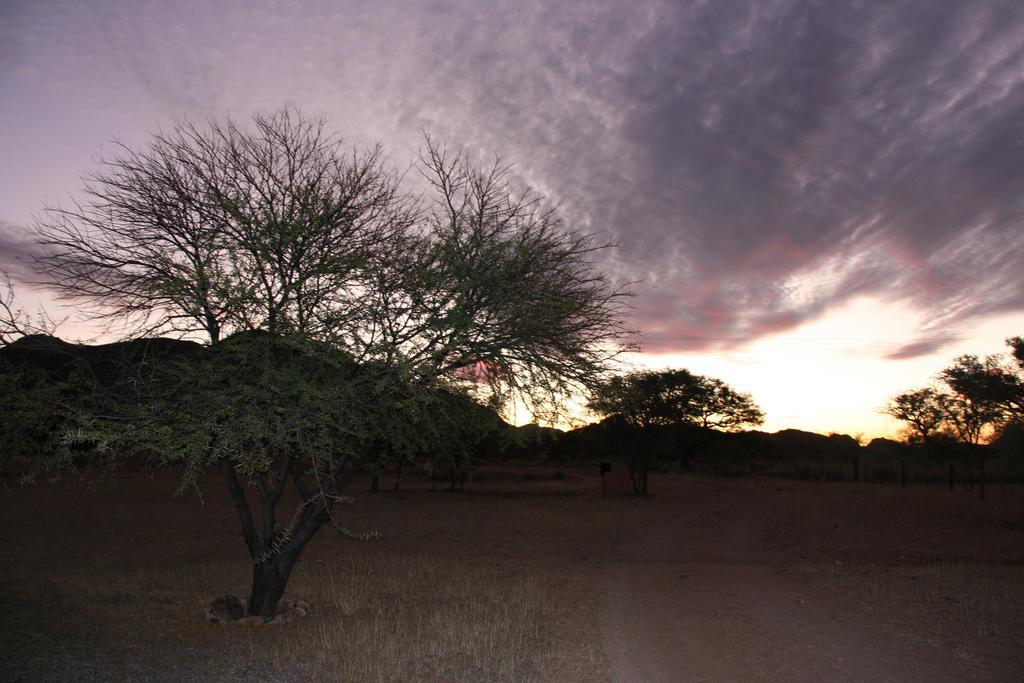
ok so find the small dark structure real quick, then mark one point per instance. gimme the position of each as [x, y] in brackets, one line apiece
[615, 479]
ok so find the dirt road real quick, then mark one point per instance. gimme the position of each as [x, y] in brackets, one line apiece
[708, 591]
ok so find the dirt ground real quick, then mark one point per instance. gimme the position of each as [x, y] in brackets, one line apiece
[707, 580]
[744, 581]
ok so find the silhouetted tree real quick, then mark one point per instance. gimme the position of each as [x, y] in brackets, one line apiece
[922, 409]
[386, 302]
[719, 406]
[976, 398]
[224, 228]
[979, 390]
[1011, 433]
[642, 400]
[492, 291]
[1016, 345]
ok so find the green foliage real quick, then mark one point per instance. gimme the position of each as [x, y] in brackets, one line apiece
[56, 397]
[532, 441]
[448, 430]
[251, 399]
[31, 417]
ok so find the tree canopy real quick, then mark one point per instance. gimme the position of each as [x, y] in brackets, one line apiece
[672, 397]
[277, 226]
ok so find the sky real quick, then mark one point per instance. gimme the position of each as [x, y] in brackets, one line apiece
[821, 203]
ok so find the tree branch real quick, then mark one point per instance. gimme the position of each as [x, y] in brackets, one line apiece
[252, 539]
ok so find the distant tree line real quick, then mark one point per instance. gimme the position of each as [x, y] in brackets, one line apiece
[973, 411]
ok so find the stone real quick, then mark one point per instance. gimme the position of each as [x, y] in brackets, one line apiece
[224, 609]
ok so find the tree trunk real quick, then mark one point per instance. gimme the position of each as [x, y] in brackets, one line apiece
[268, 583]
[981, 474]
[639, 466]
[275, 553]
[398, 475]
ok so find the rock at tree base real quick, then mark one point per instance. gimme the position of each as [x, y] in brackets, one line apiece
[229, 609]
[224, 609]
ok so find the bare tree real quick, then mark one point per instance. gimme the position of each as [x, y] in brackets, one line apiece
[223, 228]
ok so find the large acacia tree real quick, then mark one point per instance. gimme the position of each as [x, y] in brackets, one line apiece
[475, 287]
[640, 401]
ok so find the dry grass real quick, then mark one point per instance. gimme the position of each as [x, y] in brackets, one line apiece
[429, 619]
[978, 600]
[381, 618]
[104, 598]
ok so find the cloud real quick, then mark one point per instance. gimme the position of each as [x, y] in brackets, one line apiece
[733, 148]
[923, 347]
[16, 252]
[759, 162]
[757, 142]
